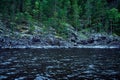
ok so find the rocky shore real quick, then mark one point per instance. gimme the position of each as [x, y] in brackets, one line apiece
[50, 41]
[41, 38]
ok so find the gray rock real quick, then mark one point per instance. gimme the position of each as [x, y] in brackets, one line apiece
[36, 39]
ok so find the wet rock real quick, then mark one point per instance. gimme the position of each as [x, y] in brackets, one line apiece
[66, 44]
[56, 42]
[1, 39]
[115, 43]
[90, 41]
[73, 39]
[49, 39]
[83, 42]
[103, 37]
[36, 39]
[52, 40]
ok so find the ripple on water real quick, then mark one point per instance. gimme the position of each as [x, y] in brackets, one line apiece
[20, 78]
[110, 72]
[39, 77]
[3, 77]
[11, 73]
[5, 63]
[60, 65]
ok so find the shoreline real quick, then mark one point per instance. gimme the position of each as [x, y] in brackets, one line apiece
[51, 42]
[62, 47]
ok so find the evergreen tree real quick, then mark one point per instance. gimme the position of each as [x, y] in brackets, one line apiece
[76, 17]
[94, 14]
[88, 12]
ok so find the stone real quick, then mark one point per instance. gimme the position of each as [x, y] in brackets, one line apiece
[35, 39]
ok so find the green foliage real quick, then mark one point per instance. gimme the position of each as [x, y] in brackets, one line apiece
[31, 29]
[23, 17]
[114, 14]
[114, 19]
[76, 12]
[81, 14]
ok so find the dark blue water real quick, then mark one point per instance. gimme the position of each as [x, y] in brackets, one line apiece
[60, 64]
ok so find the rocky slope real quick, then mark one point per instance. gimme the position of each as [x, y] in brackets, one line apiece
[41, 38]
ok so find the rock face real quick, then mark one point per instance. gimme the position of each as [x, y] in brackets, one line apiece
[36, 39]
[51, 40]
[9, 39]
[100, 39]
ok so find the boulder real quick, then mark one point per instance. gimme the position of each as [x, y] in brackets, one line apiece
[36, 39]
[53, 41]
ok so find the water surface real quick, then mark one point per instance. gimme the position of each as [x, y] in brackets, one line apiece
[60, 64]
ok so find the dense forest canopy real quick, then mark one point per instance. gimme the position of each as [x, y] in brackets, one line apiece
[97, 15]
